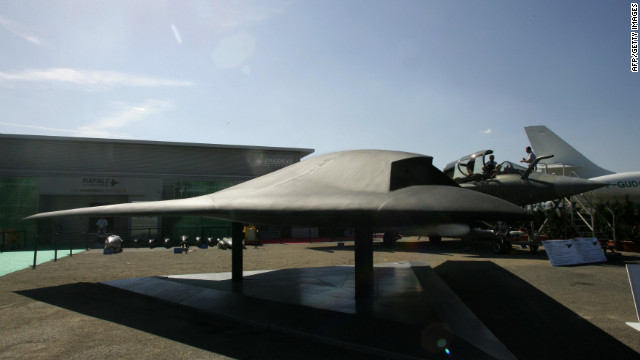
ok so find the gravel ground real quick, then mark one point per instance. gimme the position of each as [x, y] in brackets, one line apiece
[60, 311]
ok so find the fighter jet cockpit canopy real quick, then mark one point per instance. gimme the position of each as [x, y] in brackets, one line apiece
[472, 167]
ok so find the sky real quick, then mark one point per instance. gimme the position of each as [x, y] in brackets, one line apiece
[439, 78]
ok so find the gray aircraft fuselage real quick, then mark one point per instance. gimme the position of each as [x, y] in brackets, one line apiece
[534, 189]
[514, 183]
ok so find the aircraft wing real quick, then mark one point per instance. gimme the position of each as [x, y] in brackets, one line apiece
[195, 205]
[379, 188]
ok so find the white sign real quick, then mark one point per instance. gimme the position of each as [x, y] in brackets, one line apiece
[634, 279]
[574, 251]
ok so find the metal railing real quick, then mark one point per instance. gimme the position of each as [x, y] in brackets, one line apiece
[72, 240]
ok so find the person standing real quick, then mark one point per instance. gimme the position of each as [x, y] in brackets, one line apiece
[102, 225]
[531, 157]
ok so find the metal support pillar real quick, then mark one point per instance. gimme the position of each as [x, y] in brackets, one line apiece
[365, 284]
[35, 253]
[236, 251]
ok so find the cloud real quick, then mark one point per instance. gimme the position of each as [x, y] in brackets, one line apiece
[487, 132]
[107, 127]
[44, 129]
[244, 14]
[93, 79]
[20, 31]
[128, 114]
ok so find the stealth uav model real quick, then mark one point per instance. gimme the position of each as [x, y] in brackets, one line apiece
[364, 189]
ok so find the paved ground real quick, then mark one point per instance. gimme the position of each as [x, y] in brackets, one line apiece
[59, 310]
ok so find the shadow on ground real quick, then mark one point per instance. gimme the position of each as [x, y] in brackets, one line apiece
[473, 249]
[183, 325]
[530, 323]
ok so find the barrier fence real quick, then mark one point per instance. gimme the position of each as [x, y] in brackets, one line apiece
[149, 238]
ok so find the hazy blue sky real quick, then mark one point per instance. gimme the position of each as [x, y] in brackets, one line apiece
[441, 78]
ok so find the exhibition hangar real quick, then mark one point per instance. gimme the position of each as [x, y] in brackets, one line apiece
[45, 173]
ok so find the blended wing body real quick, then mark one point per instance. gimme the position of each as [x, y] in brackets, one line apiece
[383, 189]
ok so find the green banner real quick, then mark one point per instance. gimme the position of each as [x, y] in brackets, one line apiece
[18, 199]
[186, 189]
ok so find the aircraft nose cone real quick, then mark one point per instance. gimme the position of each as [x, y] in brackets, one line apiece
[567, 186]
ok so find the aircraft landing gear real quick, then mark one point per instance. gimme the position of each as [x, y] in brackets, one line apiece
[435, 239]
[390, 237]
[501, 246]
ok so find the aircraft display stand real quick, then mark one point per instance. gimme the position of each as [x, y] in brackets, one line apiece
[393, 310]
[411, 314]
[359, 189]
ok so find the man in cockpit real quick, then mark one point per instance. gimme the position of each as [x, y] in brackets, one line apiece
[490, 166]
[470, 166]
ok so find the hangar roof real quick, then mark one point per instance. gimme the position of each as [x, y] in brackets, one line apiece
[153, 143]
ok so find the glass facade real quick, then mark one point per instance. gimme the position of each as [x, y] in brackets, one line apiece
[18, 199]
[196, 225]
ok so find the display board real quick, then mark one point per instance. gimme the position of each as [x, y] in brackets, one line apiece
[633, 270]
[574, 251]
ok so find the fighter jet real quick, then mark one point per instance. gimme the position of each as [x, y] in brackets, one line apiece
[515, 183]
[364, 189]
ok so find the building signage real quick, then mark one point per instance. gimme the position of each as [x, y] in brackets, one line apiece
[186, 189]
[101, 185]
[274, 161]
[150, 189]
